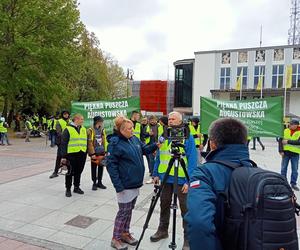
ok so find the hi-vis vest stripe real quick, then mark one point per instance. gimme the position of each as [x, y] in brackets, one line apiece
[77, 142]
[165, 157]
[28, 125]
[137, 130]
[195, 133]
[295, 136]
[63, 124]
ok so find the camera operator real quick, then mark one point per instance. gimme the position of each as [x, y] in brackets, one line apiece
[161, 165]
[228, 142]
[125, 166]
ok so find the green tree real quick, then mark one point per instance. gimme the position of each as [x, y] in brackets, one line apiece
[38, 44]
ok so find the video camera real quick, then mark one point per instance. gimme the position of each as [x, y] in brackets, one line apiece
[178, 133]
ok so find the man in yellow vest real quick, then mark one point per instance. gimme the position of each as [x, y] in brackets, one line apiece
[28, 128]
[290, 152]
[52, 130]
[74, 151]
[198, 137]
[60, 126]
[161, 164]
[137, 129]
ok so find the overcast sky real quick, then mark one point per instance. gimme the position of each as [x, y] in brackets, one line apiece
[149, 35]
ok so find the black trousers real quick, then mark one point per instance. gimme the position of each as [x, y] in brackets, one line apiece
[165, 207]
[77, 161]
[58, 159]
[97, 172]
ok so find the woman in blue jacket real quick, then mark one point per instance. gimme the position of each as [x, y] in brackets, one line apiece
[125, 166]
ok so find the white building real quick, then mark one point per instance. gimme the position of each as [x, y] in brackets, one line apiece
[215, 73]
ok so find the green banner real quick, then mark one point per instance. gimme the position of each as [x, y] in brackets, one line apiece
[263, 117]
[108, 110]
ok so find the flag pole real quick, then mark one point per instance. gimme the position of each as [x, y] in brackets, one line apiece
[284, 98]
[262, 83]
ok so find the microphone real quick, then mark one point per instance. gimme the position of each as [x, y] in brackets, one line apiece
[161, 139]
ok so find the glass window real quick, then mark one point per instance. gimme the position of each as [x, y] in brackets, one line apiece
[244, 76]
[277, 76]
[183, 85]
[225, 78]
[296, 76]
[259, 71]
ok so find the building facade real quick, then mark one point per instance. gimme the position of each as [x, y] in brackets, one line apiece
[215, 74]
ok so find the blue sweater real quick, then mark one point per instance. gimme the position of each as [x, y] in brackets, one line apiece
[191, 154]
[125, 163]
[211, 178]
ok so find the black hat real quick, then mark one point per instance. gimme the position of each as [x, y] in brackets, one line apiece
[98, 119]
[64, 111]
[294, 122]
[195, 119]
[164, 120]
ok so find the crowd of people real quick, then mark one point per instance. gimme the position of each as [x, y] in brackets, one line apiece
[202, 209]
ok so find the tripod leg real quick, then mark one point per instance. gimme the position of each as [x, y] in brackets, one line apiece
[173, 245]
[154, 202]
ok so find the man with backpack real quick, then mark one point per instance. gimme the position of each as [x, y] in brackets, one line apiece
[233, 204]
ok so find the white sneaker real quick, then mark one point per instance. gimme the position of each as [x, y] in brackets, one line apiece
[150, 181]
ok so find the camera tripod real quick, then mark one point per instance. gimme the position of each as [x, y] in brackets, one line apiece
[175, 160]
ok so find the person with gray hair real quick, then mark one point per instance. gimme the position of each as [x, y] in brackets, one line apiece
[163, 157]
[228, 142]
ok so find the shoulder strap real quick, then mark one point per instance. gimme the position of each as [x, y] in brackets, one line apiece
[234, 165]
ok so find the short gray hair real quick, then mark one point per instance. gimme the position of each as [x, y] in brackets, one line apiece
[227, 131]
[177, 114]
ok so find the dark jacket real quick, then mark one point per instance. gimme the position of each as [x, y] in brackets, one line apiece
[125, 163]
[204, 214]
[65, 137]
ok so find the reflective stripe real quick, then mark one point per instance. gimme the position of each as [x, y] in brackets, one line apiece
[295, 136]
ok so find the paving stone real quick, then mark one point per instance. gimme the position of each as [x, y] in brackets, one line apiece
[36, 231]
[70, 239]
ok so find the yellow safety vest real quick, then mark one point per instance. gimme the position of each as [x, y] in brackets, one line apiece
[2, 128]
[28, 125]
[63, 124]
[54, 124]
[165, 157]
[147, 140]
[287, 136]
[249, 138]
[195, 133]
[44, 120]
[77, 142]
[160, 130]
[137, 130]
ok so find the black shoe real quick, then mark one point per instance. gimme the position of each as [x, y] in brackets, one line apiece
[263, 148]
[253, 148]
[53, 175]
[78, 191]
[68, 193]
[100, 185]
[94, 187]
[295, 187]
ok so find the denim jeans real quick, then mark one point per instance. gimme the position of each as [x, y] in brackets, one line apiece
[151, 161]
[294, 163]
[4, 138]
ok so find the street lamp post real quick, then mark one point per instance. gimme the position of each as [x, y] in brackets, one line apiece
[129, 78]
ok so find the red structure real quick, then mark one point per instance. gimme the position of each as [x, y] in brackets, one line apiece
[153, 96]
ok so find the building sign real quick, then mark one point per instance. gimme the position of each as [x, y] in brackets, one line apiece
[263, 117]
[108, 110]
[226, 58]
[278, 54]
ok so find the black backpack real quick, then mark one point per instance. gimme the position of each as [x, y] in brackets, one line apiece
[259, 210]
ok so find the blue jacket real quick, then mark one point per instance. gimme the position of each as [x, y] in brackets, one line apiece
[125, 163]
[191, 154]
[206, 182]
